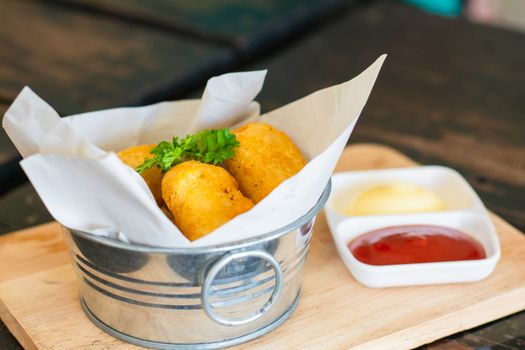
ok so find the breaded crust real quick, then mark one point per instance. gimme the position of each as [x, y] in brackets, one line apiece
[202, 197]
[135, 156]
[265, 158]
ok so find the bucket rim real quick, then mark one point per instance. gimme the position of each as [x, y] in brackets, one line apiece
[224, 247]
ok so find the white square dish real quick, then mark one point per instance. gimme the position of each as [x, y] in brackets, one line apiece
[465, 212]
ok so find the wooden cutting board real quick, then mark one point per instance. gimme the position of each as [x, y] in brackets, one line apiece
[39, 299]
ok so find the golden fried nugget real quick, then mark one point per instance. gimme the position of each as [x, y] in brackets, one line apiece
[265, 158]
[134, 156]
[202, 197]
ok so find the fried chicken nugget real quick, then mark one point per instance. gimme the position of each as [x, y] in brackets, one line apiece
[202, 197]
[265, 158]
[134, 156]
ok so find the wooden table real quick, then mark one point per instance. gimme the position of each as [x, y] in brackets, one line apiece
[450, 92]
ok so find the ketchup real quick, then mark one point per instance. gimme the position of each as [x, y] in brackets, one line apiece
[410, 244]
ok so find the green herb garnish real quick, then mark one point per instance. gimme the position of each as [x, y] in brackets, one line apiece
[207, 146]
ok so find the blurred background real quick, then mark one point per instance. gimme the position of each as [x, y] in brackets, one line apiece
[451, 91]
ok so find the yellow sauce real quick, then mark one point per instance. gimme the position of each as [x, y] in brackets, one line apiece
[395, 198]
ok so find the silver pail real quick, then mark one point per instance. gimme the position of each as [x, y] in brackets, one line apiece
[192, 298]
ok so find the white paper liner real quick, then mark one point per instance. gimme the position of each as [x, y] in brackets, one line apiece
[72, 165]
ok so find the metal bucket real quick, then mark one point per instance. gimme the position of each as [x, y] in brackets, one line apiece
[196, 298]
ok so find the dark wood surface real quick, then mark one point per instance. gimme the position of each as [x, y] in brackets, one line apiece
[7, 149]
[246, 26]
[80, 61]
[450, 92]
[11, 174]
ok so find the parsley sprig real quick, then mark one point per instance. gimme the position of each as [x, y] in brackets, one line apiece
[207, 146]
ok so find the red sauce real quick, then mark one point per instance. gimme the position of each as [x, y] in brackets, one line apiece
[411, 244]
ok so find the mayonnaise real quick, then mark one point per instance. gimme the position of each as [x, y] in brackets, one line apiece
[394, 198]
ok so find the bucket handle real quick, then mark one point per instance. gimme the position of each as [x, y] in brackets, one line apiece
[219, 265]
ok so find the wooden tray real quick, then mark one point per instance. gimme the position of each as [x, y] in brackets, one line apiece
[39, 295]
